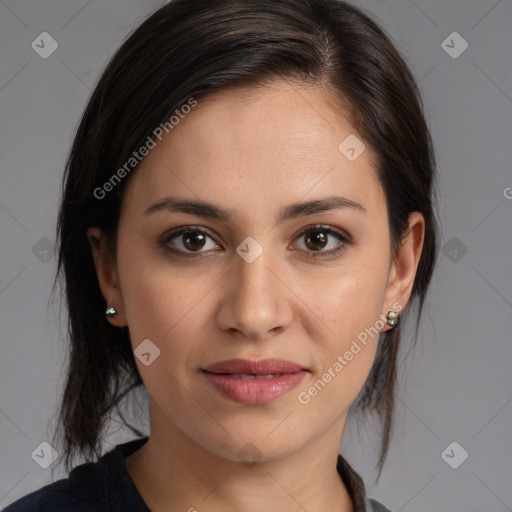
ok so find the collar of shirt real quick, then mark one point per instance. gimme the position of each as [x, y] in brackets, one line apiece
[120, 493]
[106, 486]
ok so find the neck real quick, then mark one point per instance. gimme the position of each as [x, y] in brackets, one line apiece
[172, 473]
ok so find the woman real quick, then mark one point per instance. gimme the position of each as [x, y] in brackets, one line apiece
[246, 219]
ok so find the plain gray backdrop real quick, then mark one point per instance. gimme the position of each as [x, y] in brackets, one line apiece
[455, 398]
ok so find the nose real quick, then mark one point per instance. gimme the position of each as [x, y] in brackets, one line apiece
[256, 301]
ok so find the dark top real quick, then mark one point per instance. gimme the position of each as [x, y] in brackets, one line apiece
[106, 486]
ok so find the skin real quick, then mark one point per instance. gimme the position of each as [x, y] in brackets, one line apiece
[253, 152]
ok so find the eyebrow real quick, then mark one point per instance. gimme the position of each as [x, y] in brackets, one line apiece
[212, 211]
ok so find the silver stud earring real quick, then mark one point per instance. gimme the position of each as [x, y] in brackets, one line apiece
[111, 312]
[393, 318]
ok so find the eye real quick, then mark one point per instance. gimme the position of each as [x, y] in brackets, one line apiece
[188, 239]
[317, 238]
[192, 240]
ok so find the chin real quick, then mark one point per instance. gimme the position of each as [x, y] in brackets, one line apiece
[250, 445]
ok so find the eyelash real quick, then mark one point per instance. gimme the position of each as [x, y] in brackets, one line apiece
[344, 241]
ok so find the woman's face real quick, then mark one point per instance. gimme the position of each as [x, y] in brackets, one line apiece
[257, 275]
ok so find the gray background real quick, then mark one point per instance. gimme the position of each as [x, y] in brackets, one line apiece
[458, 383]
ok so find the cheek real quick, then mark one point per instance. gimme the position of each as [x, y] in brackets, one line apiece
[354, 317]
[351, 298]
[168, 305]
[350, 309]
[156, 293]
[345, 352]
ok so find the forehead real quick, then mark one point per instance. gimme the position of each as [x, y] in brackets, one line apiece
[274, 143]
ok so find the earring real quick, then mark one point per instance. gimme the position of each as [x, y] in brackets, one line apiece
[111, 312]
[393, 318]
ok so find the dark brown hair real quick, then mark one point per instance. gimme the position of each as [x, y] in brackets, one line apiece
[192, 48]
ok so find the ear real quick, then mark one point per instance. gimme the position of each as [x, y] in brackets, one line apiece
[404, 266]
[108, 278]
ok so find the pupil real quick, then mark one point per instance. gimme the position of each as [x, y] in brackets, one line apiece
[318, 238]
[197, 241]
[315, 241]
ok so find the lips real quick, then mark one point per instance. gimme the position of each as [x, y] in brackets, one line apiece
[254, 382]
[248, 367]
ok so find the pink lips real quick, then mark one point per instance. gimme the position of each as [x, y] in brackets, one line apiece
[254, 382]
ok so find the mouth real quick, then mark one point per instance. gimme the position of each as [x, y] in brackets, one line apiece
[254, 382]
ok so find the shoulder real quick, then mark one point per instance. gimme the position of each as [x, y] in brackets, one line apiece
[101, 486]
[356, 488]
[376, 506]
[80, 492]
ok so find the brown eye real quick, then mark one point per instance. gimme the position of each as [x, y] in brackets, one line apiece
[188, 240]
[318, 238]
[194, 241]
